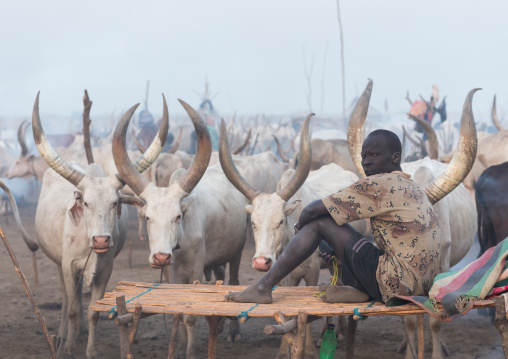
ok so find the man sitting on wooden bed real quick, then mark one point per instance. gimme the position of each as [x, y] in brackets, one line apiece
[404, 225]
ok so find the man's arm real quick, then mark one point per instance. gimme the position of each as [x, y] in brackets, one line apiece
[312, 211]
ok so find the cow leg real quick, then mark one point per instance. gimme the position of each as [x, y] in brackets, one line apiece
[234, 270]
[189, 322]
[438, 346]
[410, 326]
[65, 303]
[73, 292]
[98, 288]
[220, 273]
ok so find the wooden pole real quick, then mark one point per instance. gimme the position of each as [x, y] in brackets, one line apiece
[87, 105]
[174, 332]
[421, 339]
[501, 320]
[213, 330]
[350, 338]
[21, 275]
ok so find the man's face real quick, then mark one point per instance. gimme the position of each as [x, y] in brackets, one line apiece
[377, 156]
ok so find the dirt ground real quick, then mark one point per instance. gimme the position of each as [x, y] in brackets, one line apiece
[473, 336]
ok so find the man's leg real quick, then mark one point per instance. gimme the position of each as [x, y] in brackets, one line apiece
[303, 244]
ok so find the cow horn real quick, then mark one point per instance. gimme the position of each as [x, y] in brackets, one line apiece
[28, 240]
[175, 146]
[431, 135]
[303, 168]
[131, 173]
[21, 137]
[200, 163]
[229, 168]
[48, 153]
[355, 133]
[495, 119]
[462, 160]
[244, 144]
[279, 149]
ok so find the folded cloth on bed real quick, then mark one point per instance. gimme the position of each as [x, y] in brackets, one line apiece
[453, 293]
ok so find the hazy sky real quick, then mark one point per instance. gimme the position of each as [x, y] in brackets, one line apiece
[251, 51]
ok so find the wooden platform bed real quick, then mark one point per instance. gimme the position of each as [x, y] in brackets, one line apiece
[131, 301]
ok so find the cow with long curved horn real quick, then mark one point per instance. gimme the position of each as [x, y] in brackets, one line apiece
[273, 214]
[456, 211]
[495, 119]
[199, 213]
[81, 225]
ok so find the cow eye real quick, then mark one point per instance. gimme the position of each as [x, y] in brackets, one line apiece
[146, 217]
[85, 204]
[178, 218]
[115, 204]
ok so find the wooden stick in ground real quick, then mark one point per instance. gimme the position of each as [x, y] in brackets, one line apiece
[421, 341]
[213, 330]
[350, 338]
[22, 277]
[174, 332]
[34, 265]
[501, 321]
[87, 105]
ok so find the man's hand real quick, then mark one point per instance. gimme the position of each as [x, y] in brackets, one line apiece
[326, 257]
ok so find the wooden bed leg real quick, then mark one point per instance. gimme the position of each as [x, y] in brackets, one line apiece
[127, 334]
[176, 321]
[501, 321]
[350, 339]
[296, 342]
[421, 339]
[213, 330]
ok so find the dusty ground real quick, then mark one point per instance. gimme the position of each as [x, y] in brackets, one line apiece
[473, 336]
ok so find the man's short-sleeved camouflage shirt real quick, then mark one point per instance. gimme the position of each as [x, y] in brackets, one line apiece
[404, 226]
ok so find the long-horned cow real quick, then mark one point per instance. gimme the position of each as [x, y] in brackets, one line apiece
[273, 214]
[443, 187]
[199, 212]
[81, 225]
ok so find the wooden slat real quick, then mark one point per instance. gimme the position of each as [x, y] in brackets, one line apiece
[209, 300]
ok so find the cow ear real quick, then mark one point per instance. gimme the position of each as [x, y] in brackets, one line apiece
[249, 208]
[186, 202]
[76, 211]
[290, 207]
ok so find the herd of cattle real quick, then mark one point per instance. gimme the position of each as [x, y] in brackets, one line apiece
[199, 209]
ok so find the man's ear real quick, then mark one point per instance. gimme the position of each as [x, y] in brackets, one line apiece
[396, 157]
[76, 211]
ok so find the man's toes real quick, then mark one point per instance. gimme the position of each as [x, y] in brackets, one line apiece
[323, 288]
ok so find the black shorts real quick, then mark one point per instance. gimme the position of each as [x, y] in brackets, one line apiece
[359, 266]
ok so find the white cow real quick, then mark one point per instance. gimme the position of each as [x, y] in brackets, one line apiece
[442, 184]
[273, 214]
[199, 212]
[81, 225]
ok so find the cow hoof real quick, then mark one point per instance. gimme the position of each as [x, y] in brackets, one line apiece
[234, 337]
[402, 347]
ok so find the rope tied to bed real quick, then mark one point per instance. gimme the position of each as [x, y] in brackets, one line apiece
[244, 315]
[359, 316]
[113, 313]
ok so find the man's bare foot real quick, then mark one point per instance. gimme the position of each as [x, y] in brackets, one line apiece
[251, 294]
[343, 294]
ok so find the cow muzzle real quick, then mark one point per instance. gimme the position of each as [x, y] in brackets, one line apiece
[160, 260]
[101, 244]
[262, 264]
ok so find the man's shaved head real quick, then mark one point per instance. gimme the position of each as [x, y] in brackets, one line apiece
[392, 140]
[381, 153]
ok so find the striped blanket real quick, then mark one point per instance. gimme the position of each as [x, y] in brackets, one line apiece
[453, 293]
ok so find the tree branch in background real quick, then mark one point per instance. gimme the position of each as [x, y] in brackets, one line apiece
[342, 63]
[87, 105]
[308, 75]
